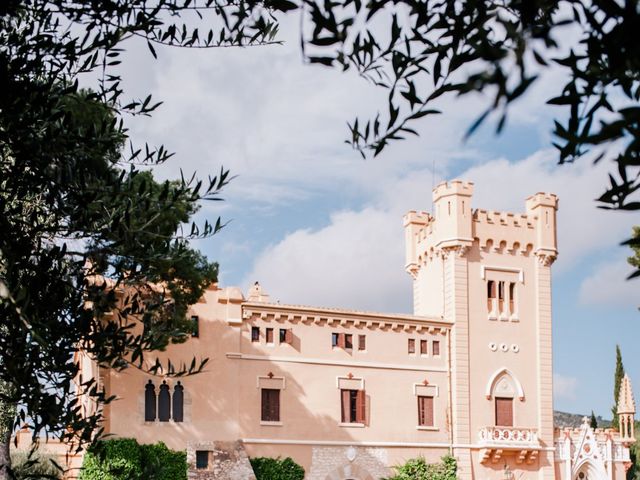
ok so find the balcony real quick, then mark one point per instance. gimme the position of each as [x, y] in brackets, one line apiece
[495, 442]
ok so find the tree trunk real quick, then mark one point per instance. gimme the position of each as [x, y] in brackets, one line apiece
[7, 417]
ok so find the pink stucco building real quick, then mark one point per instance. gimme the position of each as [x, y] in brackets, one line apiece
[348, 394]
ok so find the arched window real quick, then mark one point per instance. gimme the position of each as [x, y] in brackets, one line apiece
[164, 403]
[149, 402]
[178, 403]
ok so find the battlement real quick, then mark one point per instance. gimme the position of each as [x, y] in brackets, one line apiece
[455, 224]
[454, 187]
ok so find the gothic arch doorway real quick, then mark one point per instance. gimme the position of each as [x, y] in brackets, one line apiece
[350, 472]
[590, 471]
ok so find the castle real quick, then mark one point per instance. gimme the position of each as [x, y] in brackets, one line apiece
[348, 394]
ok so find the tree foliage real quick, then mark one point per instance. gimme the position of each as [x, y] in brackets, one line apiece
[634, 244]
[266, 468]
[419, 469]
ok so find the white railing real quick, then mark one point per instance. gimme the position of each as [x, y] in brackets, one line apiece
[507, 436]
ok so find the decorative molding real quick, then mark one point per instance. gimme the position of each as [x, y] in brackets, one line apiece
[484, 268]
[546, 259]
[496, 375]
[347, 386]
[270, 381]
[344, 363]
[431, 390]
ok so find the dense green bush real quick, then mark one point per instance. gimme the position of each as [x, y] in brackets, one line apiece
[159, 462]
[37, 466]
[419, 469]
[125, 459]
[267, 468]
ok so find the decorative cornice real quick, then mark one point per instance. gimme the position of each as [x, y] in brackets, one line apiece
[546, 259]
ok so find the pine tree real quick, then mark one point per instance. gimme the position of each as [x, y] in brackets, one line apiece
[594, 421]
[616, 386]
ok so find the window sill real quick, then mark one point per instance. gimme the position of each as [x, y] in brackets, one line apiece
[270, 424]
[492, 317]
[514, 318]
[424, 427]
[353, 425]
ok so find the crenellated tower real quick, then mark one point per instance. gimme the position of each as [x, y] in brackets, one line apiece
[489, 273]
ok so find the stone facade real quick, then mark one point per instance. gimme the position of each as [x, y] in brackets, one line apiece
[337, 463]
[227, 461]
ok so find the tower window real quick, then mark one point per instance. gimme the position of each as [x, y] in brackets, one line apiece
[334, 339]
[362, 342]
[435, 348]
[164, 403]
[491, 295]
[512, 297]
[149, 402]
[269, 335]
[411, 346]
[423, 347]
[501, 296]
[348, 340]
[178, 403]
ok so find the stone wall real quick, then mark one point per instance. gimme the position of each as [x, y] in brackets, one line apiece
[339, 463]
[227, 461]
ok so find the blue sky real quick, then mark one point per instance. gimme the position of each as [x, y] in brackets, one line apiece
[316, 224]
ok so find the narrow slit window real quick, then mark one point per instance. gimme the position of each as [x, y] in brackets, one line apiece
[164, 403]
[255, 334]
[334, 339]
[195, 325]
[512, 297]
[348, 340]
[178, 403]
[491, 294]
[149, 402]
[501, 297]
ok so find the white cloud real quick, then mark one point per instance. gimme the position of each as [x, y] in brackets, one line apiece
[357, 259]
[607, 285]
[564, 387]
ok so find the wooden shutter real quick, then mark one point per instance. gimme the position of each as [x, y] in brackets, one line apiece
[425, 411]
[435, 348]
[341, 340]
[361, 406]
[348, 340]
[275, 405]
[149, 402]
[164, 403]
[269, 335]
[178, 403]
[288, 337]
[412, 345]
[423, 347]
[345, 405]
[504, 412]
[362, 342]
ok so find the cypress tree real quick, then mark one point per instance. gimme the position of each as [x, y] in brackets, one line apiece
[616, 386]
[594, 421]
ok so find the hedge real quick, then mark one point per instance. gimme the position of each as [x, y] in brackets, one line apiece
[37, 466]
[126, 459]
[266, 468]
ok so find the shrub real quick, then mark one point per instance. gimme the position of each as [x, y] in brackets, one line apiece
[117, 459]
[419, 469]
[159, 462]
[267, 468]
[34, 466]
[125, 459]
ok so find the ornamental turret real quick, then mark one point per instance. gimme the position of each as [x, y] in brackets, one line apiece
[626, 409]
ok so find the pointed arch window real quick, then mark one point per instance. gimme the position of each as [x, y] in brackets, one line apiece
[164, 403]
[150, 402]
[178, 403]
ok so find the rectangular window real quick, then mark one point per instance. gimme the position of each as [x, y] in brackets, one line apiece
[423, 347]
[270, 405]
[362, 342]
[353, 406]
[334, 339]
[425, 411]
[501, 297]
[269, 335]
[255, 334]
[435, 348]
[195, 325]
[202, 459]
[504, 412]
[283, 335]
[348, 340]
[412, 346]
